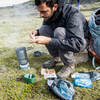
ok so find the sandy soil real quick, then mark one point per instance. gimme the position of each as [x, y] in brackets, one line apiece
[16, 22]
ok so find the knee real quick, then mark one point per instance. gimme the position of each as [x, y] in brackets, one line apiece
[84, 45]
[44, 30]
[60, 33]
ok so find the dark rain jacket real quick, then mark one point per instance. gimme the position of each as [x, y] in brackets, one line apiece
[76, 27]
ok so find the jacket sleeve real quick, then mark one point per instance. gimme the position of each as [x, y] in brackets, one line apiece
[74, 40]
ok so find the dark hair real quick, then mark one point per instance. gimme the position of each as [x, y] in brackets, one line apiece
[49, 3]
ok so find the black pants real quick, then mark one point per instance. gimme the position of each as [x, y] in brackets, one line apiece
[60, 33]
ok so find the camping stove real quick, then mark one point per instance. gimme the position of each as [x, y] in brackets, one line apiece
[22, 58]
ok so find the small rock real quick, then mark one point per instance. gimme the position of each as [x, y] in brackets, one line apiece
[2, 69]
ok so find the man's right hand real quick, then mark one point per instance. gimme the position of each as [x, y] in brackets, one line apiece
[32, 34]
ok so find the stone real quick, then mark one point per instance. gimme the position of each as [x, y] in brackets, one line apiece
[81, 57]
[3, 69]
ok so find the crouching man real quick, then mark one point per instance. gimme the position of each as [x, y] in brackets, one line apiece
[64, 32]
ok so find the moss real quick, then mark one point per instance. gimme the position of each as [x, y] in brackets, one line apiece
[14, 87]
[38, 90]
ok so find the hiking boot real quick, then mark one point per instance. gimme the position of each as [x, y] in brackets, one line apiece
[51, 63]
[66, 71]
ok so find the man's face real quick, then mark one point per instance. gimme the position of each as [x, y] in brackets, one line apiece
[45, 11]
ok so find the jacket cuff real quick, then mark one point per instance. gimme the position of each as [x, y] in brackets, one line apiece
[37, 32]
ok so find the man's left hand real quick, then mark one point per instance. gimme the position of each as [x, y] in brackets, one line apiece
[41, 40]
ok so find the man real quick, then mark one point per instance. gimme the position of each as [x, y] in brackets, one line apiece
[64, 32]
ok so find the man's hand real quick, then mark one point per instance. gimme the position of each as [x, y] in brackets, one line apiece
[41, 40]
[32, 34]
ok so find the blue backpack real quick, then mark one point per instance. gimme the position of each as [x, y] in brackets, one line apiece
[94, 26]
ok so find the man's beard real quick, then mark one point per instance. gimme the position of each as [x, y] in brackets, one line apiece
[47, 18]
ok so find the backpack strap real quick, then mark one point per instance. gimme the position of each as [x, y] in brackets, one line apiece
[93, 63]
[94, 56]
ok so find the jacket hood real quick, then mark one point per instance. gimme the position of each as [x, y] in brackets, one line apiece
[66, 10]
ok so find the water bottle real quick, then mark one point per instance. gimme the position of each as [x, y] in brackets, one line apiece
[80, 75]
[22, 58]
